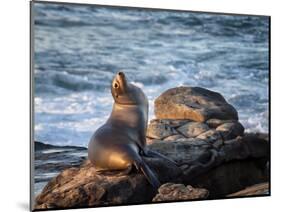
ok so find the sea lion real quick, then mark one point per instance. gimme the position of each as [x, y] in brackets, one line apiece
[121, 142]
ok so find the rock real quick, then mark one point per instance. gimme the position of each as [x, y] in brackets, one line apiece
[230, 130]
[256, 145]
[194, 142]
[39, 146]
[174, 123]
[260, 189]
[159, 129]
[263, 136]
[217, 144]
[230, 177]
[193, 103]
[210, 136]
[241, 148]
[214, 123]
[193, 129]
[173, 138]
[151, 140]
[184, 151]
[80, 187]
[176, 192]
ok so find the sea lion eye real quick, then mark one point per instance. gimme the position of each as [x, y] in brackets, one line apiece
[116, 85]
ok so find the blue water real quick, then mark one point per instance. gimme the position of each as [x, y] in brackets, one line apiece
[78, 49]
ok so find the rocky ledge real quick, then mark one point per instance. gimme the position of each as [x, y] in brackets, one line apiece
[195, 127]
[50, 160]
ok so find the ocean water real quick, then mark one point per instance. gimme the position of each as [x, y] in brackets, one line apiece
[78, 50]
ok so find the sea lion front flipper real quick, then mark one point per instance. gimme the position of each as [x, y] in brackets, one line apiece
[148, 173]
[150, 153]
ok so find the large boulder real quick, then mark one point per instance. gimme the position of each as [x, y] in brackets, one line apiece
[193, 103]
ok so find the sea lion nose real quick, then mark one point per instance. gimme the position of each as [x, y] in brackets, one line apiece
[120, 73]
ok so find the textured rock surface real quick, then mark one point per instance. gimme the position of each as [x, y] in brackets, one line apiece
[214, 123]
[168, 130]
[210, 135]
[231, 177]
[173, 137]
[176, 192]
[159, 130]
[193, 129]
[193, 103]
[230, 130]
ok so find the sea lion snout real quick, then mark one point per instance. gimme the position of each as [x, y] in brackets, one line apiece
[120, 73]
[119, 83]
[126, 93]
[119, 79]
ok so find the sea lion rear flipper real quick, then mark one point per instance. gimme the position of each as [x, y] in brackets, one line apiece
[151, 153]
[148, 173]
[141, 165]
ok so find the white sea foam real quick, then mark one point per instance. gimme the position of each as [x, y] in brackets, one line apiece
[138, 84]
[45, 175]
[52, 151]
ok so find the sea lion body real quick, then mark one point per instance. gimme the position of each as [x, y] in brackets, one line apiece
[121, 141]
[108, 149]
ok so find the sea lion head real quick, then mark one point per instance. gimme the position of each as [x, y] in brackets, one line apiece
[125, 93]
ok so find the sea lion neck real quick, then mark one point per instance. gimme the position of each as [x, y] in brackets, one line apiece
[126, 106]
[126, 115]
